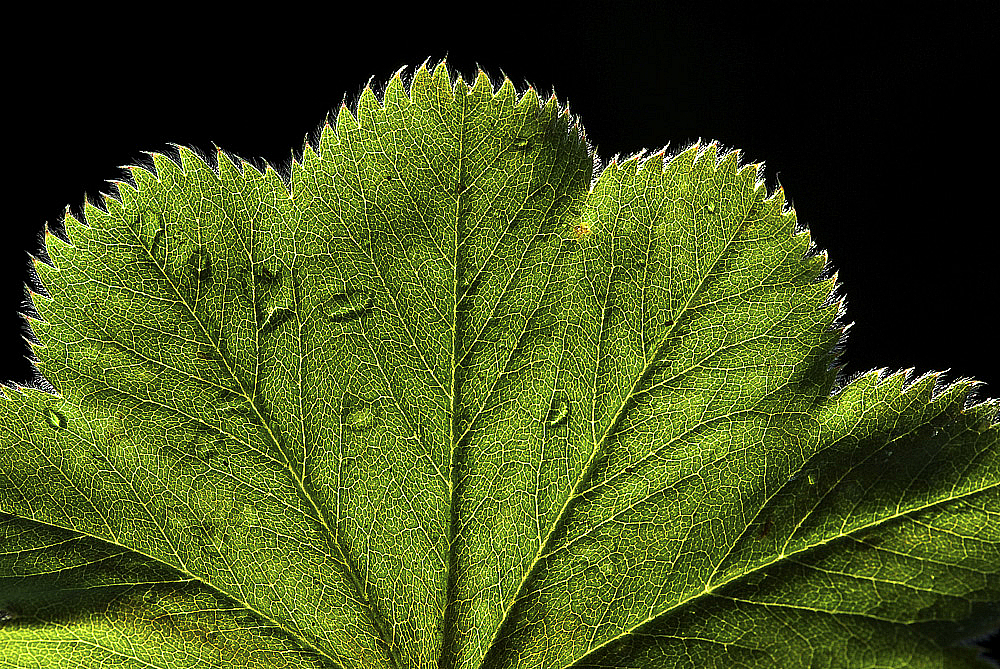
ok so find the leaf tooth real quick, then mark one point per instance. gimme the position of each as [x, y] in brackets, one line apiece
[529, 101]
[113, 205]
[198, 165]
[442, 79]
[368, 107]
[551, 106]
[143, 178]
[710, 154]
[74, 227]
[173, 171]
[94, 215]
[421, 80]
[630, 167]
[327, 138]
[728, 163]
[777, 198]
[894, 380]
[955, 393]
[228, 169]
[653, 164]
[985, 415]
[506, 93]
[345, 121]
[297, 170]
[309, 157]
[395, 93]
[681, 163]
[126, 192]
[483, 86]
[251, 175]
[750, 172]
[274, 180]
[460, 87]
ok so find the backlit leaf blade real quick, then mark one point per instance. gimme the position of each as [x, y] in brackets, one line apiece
[444, 400]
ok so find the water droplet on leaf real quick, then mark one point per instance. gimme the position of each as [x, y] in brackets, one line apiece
[466, 286]
[55, 419]
[231, 404]
[347, 305]
[275, 318]
[361, 418]
[558, 413]
[265, 276]
[151, 230]
[200, 263]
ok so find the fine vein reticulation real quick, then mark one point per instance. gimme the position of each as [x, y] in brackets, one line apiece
[449, 396]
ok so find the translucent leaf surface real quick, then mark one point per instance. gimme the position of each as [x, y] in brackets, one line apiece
[450, 398]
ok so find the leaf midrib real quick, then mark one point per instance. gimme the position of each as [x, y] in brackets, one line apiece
[447, 655]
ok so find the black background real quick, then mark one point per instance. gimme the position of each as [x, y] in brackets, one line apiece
[877, 125]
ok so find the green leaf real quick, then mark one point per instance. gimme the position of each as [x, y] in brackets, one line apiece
[447, 398]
